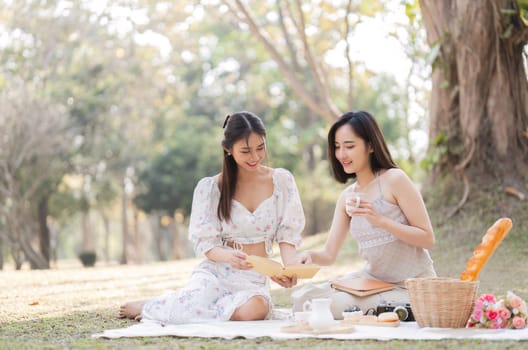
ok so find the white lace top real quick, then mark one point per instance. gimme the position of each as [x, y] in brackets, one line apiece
[279, 218]
[388, 258]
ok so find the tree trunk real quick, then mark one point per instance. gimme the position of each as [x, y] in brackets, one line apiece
[479, 101]
[138, 247]
[124, 223]
[1, 252]
[18, 257]
[177, 244]
[313, 216]
[87, 243]
[44, 232]
[155, 219]
[106, 227]
[23, 227]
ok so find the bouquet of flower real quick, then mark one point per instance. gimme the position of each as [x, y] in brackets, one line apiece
[507, 311]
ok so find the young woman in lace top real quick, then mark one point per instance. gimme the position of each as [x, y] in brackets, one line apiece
[388, 218]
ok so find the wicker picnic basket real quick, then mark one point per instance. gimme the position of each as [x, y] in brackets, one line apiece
[441, 302]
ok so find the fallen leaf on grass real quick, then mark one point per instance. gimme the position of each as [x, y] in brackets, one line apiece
[515, 192]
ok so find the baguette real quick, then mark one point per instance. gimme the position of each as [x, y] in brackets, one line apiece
[485, 249]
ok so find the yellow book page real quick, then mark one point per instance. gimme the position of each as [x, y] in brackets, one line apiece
[270, 267]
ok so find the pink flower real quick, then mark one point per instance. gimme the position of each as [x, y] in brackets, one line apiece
[492, 314]
[494, 325]
[508, 311]
[477, 314]
[514, 300]
[479, 304]
[518, 322]
[489, 298]
[504, 313]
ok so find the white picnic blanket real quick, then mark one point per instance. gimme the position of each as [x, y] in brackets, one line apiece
[272, 329]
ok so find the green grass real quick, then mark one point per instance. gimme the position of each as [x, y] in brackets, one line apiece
[74, 302]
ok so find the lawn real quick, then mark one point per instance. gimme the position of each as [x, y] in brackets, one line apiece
[60, 308]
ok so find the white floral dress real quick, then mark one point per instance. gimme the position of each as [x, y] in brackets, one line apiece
[215, 290]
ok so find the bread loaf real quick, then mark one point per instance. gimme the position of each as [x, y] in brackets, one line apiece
[485, 249]
[388, 317]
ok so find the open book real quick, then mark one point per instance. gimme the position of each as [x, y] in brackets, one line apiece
[361, 287]
[272, 268]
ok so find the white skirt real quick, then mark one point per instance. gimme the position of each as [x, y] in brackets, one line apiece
[214, 292]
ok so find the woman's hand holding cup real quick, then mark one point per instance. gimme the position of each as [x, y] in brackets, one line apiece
[353, 201]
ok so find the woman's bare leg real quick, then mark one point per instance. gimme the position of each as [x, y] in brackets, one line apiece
[256, 308]
[132, 310]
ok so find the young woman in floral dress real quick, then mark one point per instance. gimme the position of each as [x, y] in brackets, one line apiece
[236, 213]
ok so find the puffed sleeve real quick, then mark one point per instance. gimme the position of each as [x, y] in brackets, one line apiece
[290, 211]
[204, 227]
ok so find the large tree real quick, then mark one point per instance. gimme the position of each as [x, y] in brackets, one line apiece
[30, 153]
[479, 102]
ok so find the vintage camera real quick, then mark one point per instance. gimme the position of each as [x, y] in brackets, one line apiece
[403, 310]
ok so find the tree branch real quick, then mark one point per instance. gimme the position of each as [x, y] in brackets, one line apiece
[287, 37]
[315, 68]
[295, 84]
[348, 48]
[465, 196]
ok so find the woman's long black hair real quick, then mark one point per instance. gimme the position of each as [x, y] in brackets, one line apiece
[237, 126]
[365, 127]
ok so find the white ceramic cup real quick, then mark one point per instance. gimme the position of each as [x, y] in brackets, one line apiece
[352, 200]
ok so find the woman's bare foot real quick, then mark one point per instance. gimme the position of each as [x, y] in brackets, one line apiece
[131, 310]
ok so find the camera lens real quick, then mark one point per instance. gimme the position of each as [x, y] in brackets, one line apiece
[401, 312]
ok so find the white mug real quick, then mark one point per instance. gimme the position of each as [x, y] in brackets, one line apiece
[353, 200]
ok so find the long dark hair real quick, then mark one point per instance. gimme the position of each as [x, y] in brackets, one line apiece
[237, 126]
[365, 127]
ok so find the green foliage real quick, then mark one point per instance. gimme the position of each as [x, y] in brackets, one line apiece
[371, 7]
[105, 192]
[412, 9]
[436, 152]
[380, 96]
[63, 204]
[523, 6]
[433, 54]
[508, 32]
[169, 179]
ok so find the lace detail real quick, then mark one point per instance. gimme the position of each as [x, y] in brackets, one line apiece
[387, 258]
[369, 236]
